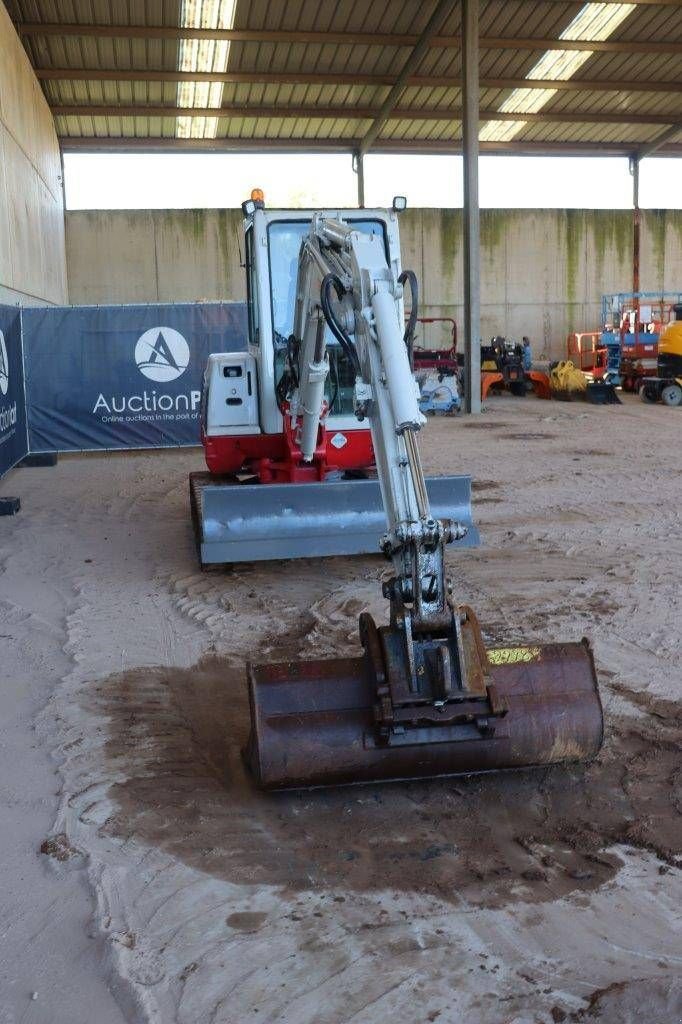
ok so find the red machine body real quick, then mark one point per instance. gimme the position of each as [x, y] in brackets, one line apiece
[235, 442]
[276, 458]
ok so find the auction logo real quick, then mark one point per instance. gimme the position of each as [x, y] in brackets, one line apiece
[162, 354]
[4, 366]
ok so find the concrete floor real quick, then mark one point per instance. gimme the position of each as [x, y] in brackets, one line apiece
[169, 889]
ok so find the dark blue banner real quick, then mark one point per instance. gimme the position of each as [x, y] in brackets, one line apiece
[107, 377]
[13, 440]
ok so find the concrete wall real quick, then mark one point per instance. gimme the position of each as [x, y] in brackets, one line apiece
[154, 255]
[543, 271]
[32, 257]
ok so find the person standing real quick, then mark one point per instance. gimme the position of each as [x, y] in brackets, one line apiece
[527, 354]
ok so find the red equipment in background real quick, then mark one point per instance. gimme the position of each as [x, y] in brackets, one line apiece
[626, 348]
[443, 360]
[586, 351]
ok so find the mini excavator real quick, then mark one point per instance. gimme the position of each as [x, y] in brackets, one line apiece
[425, 697]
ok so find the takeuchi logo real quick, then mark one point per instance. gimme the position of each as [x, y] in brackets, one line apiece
[162, 354]
[4, 366]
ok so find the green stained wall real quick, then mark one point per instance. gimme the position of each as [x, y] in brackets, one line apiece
[543, 272]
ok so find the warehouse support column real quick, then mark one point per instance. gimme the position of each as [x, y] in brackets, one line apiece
[472, 233]
[359, 168]
[634, 171]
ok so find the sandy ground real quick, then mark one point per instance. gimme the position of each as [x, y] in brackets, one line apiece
[167, 889]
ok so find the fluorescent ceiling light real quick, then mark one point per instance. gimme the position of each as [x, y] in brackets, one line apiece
[202, 55]
[594, 21]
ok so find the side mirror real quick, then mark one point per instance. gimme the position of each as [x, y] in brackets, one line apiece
[399, 203]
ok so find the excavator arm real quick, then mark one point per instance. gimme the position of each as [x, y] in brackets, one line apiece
[345, 283]
[425, 698]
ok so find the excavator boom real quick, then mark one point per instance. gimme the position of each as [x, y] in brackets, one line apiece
[426, 697]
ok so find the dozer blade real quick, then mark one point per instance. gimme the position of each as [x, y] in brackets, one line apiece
[313, 723]
[255, 522]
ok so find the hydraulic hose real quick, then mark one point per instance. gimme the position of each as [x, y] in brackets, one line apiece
[289, 379]
[332, 281]
[409, 277]
[334, 373]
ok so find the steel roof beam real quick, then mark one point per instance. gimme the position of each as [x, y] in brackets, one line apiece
[315, 78]
[359, 114]
[440, 13]
[173, 32]
[649, 148]
[302, 145]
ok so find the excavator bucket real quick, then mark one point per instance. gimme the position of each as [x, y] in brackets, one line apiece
[314, 723]
[254, 522]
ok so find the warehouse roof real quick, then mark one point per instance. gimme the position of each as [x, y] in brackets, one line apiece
[216, 74]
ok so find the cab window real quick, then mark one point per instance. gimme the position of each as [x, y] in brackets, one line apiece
[285, 239]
